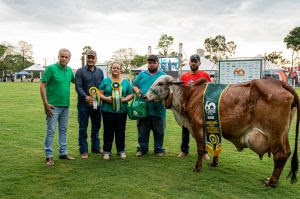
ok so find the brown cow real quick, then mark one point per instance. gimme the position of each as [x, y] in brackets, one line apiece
[255, 115]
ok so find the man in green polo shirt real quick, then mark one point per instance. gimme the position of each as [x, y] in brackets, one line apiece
[156, 120]
[55, 93]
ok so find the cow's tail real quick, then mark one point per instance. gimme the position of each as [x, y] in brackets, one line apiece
[294, 163]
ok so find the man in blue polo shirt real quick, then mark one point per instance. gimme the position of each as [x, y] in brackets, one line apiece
[156, 120]
[87, 78]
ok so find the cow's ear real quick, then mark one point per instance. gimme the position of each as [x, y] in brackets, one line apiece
[177, 82]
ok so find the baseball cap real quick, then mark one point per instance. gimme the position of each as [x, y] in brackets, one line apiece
[91, 52]
[195, 57]
[152, 58]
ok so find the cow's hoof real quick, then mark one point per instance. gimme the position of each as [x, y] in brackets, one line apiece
[269, 183]
[196, 170]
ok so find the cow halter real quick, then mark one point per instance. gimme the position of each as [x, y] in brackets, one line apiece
[155, 93]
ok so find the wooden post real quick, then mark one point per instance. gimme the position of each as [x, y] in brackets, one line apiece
[149, 50]
[180, 58]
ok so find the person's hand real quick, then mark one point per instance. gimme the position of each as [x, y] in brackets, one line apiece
[138, 93]
[109, 99]
[124, 99]
[89, 100]
[48, 110]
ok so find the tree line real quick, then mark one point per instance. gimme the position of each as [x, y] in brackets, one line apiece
[15, 58]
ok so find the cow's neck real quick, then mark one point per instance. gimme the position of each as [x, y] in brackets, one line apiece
[181, 116]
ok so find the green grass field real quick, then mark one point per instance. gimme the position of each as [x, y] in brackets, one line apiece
[25, 175]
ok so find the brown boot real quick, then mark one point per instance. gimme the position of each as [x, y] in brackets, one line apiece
[49, 161]
[66, 157]
[84, 156]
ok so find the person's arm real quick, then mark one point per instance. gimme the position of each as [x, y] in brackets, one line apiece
[73, 78]
[127, 98]
[129, 94]
[47, 106]
[104, 98]
[79, 89]
[135, 86]
[208, 78]
[137, 91]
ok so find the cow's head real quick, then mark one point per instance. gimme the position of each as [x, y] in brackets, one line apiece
[161, 90]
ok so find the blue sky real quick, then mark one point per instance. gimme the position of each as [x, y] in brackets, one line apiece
[256, 26]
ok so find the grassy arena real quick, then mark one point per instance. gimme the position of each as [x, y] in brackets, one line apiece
[25, 175]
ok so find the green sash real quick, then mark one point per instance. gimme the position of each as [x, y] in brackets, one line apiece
[212, 122]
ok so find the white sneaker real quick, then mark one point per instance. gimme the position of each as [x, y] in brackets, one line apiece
[160, 154]
[181, 154]
[106, 156]
[123, 155]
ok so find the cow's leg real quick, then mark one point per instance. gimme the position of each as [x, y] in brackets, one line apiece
[281, 154]
[200, 149]
[215, 161]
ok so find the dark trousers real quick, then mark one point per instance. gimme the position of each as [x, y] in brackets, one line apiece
[145, 125]
[114, 125]
[185, 140]
[84, 113]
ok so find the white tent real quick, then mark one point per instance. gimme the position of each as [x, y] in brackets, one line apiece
[35, 68]
[206, 65]
[141, 68]
[270, 66]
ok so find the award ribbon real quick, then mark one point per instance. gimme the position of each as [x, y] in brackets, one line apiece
[117, 96]
[212, 121]
[93, 92]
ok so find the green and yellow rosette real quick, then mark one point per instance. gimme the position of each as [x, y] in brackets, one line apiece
[117, 96]
[93, 92]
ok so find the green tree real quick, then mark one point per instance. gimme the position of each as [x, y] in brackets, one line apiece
[276, 58]
[124, 57]
[84, 51]
[218, 48]
[16, 62]
[292, 41]
[14, 58]
[25, 49]
[139, 60]
[5, 50]
[165, 45]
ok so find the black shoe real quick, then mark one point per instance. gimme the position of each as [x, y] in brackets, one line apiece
[97, 151]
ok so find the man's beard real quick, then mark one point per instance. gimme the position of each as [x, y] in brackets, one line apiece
[194, 68]
[153, 70]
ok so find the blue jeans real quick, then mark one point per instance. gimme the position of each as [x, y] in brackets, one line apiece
[60, 116]
[84, 113]
[185, 140]
[145, 125]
